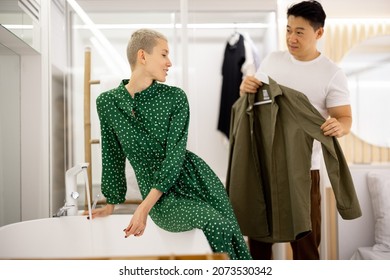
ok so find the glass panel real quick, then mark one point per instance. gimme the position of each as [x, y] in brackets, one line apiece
[19, 23]
[10, 185]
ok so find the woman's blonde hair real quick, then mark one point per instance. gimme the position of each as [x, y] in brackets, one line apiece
[142, 39]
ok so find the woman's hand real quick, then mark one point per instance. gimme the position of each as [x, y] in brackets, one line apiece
[138, 221]
[101, 212]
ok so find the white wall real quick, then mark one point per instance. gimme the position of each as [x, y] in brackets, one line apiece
[356, 9]
[34, 150]
[40, 122]
[58, 101]
[10, 165]
[24, 142]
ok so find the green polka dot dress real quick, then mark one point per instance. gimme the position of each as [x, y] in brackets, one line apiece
[150, 130]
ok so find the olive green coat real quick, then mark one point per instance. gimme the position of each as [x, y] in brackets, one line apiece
[268, 177]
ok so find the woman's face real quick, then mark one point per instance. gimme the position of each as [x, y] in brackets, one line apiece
[157, 63]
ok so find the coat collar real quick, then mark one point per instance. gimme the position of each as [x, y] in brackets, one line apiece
[273, 90]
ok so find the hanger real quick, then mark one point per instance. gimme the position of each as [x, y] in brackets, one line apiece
[266, 99]
[264, 79]
[233, 39]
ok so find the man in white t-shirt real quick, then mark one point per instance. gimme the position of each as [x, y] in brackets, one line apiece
[305, 69]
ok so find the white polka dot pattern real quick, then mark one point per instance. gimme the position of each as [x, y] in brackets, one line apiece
[150, 130]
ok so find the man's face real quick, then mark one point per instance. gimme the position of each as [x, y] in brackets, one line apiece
[301, 38]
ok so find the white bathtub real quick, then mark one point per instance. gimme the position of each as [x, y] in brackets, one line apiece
[75, 237]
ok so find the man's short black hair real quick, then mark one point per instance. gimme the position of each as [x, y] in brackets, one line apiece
[309, 10]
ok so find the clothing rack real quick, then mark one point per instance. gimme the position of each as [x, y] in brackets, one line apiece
[88, 141]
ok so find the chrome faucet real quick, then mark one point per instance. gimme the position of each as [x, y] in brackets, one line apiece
[63, 211]
[70, 208]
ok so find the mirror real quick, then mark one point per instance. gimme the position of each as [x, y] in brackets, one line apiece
[367, 67]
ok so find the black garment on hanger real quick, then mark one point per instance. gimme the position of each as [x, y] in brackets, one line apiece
[231, 79]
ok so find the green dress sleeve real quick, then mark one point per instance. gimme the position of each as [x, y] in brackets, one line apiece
[176, 143]
[114, 185]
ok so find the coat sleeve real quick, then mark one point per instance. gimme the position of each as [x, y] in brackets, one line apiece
[336, 165]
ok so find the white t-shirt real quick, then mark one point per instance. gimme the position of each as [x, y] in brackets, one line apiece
[321, 80]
